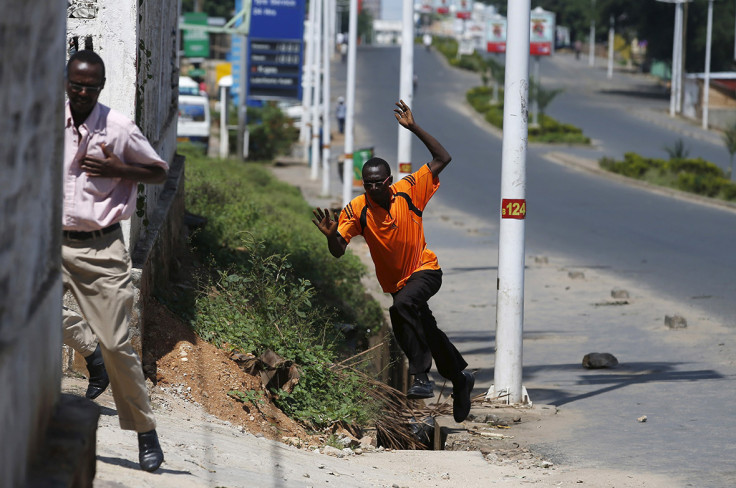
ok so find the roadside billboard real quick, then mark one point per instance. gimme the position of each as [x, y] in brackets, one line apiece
[496, 34]
[442, 6]
[541, 32]
[463, 8]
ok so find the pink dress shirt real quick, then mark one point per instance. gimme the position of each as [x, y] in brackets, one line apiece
[92, 203]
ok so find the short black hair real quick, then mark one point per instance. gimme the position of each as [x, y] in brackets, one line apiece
[86, 56]
[377, 163]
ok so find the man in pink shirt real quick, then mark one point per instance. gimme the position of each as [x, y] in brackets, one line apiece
[105, 157]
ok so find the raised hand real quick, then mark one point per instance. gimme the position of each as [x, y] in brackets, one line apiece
[324, 223]
[403, 114]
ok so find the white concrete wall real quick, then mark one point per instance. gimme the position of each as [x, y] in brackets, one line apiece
[31, 158]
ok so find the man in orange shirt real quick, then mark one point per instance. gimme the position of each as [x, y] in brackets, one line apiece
[389, 217]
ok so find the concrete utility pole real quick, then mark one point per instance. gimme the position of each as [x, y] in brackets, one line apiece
[308, 83]
[347, 170]
[326, 136]
[406, 86]
[314, 173]
[676, 77]
[507, 377]
[611, 37]
[706, 81]
[591, 54]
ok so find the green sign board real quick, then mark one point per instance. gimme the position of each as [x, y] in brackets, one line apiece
[196, 41]
[360, 156]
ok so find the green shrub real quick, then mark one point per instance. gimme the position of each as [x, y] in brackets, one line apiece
[697, 166]
[707, 185]
[272, 133]
[691, 175]
[633, 165]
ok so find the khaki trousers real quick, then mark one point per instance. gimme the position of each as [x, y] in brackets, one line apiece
[97, 273]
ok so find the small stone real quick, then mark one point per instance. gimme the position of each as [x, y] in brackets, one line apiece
[675, 321]
[331, 451]
[599, 360]
[642, 419]
[547, 464]
[619, 294]
[184, 360]
[445, 476]
[541, 259]
[576, 275]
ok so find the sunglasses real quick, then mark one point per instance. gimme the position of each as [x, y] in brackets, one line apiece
[77, 88]
[375, 184]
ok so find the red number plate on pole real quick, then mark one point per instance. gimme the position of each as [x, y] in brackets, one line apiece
[513, 209]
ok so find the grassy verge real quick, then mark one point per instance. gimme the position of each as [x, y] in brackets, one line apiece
[694, 175]
[480, 98]
[270, 283]
[548, 131]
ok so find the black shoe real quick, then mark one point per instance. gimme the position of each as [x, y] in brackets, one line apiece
[98, 379]
[150, 454]
[461, 391]
[420, 389]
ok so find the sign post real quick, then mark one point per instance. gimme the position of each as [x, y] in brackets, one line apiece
[196, 41]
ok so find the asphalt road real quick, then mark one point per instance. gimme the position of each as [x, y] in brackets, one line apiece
[673, 255]
[682, 249]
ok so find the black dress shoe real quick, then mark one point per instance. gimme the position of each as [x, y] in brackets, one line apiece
[98, 379]
[461, 391]
[420, 389]
[150, 455]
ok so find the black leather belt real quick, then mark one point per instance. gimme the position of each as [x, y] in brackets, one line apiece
[78, 235]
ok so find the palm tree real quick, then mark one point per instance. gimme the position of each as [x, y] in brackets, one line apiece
[678, 151]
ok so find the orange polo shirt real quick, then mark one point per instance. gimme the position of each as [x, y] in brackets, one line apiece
[395, 238]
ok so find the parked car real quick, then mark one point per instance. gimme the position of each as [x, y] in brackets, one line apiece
[194, 120]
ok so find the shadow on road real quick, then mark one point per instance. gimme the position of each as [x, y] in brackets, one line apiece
[614, 379]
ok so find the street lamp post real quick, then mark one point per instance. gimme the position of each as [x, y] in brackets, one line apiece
[706, 81]
[611, 37]
[591, 55]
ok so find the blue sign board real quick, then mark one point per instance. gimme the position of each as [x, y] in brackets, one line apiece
[275, 50]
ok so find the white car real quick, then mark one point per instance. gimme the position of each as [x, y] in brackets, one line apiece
[194, 120]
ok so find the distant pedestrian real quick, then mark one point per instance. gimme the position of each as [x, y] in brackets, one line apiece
[389, 217]
[427, 41]
[578, 48]
[340, 111]
[105, 157]
[343, 51]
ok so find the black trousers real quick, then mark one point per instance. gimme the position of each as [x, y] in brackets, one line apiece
[416, 331]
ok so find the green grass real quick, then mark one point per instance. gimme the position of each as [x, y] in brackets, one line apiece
[271, 283]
